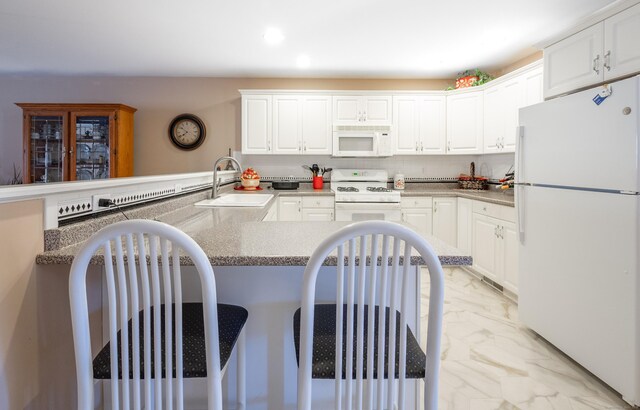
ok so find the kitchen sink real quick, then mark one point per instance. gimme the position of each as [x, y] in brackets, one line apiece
[256, 200]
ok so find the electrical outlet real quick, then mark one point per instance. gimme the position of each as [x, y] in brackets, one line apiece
[95, 201]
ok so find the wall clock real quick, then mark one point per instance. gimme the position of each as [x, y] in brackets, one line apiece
[187, 131]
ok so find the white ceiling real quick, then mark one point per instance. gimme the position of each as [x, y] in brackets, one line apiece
[342, 38]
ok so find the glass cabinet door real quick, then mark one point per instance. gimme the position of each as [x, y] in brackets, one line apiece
[91, 139]
[47, 147]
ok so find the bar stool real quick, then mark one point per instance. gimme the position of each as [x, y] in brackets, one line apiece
[165, 338]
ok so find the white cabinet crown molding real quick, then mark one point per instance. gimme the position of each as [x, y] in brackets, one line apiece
[502, 78]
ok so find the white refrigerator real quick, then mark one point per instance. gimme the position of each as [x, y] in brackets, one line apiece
[577, 175]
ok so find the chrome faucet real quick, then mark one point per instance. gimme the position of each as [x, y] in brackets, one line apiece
[216, 182]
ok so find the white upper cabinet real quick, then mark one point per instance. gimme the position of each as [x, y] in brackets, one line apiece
[465, 122]
[502, 103]
[602, 52]
[533, 86]
[362, 110]
[493, 119]
[432, 117]
[316, 125]
[256, 124]
[406, 125]
[419, 124]
[621, 48]
[573, 62]
[286, 124]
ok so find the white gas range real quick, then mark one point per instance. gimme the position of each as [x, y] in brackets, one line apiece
[362, 194]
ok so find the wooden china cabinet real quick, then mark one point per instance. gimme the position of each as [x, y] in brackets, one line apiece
[68, 142]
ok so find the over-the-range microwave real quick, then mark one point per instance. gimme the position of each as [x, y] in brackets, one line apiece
[362, 141]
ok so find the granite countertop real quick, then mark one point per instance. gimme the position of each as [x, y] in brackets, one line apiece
[491, 195]
[229, 236]
[239, 237]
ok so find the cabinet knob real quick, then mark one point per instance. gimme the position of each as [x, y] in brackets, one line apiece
[596, 64]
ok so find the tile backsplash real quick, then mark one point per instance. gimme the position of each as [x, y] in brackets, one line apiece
[434, 166]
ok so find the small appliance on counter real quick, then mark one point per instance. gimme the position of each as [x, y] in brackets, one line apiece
[286, 185]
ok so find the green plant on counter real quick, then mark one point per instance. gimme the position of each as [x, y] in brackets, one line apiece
[483, 77]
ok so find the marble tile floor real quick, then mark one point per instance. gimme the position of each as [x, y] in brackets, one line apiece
[491, 361]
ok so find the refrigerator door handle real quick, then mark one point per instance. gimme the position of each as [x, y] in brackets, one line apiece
[519, 152]
[520, 211]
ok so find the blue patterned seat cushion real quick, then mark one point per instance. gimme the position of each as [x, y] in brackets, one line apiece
[324, 344]
[231, 320]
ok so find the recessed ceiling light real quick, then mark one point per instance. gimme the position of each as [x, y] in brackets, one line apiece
[303, 61]
[273, 36]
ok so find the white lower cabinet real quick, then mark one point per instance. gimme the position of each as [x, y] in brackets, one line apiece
[509, 236]
[418, 212]
[445, 220]
[464, 225]
[318, 208]
[289, 208]
[306, 208]
[272, 213]
[495, 244]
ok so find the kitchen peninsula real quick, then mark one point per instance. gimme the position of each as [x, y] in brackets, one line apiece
[258, 264]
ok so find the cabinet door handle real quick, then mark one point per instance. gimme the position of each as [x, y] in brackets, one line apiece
[421, 147]
[364, 115]
[596, 64]
[416, 146]
[359, 116]
[305, 146]
[607, 60]
[71, 150]
[299, 146]
[268, 145]
[448, 145]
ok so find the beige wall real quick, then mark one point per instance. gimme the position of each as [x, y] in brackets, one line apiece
[158, 100]
[20, 240]
[37, 366]
[520, 63]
